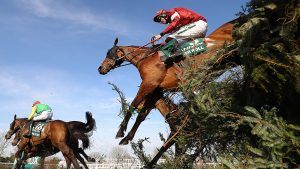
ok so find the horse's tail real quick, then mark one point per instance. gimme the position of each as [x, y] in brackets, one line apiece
[81, 131]
[90, 122]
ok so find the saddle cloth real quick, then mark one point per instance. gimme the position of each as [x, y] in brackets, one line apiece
[187, 49]
[38, 127]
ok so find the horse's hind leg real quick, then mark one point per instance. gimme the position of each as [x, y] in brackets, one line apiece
[68, 162]
[140, 118]
[88, 158]
[67, 151]
[161, 151]
[155, 100]
[41, 166]
[81, 159]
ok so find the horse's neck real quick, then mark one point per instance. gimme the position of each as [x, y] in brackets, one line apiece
[135, 54]
[22, 120]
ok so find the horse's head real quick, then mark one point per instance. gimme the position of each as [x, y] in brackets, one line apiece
[114, 58]
[15, 125]
[17, 138]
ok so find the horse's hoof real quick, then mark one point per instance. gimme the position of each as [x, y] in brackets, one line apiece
[124, 141]
[120, 134]
[90, 159]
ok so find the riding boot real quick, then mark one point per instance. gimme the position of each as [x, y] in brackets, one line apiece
[29, 130]
[170, 51]
[177, 56]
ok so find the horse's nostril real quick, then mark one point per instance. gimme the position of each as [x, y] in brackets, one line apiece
[99, 69]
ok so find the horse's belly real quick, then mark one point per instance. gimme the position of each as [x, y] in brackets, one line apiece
[171, 80]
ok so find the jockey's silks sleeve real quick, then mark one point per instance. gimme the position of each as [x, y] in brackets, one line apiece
[32, 113]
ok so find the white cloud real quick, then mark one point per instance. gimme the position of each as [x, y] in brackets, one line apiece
[78, 15]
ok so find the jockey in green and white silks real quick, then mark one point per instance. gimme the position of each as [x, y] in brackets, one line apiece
[39, 112]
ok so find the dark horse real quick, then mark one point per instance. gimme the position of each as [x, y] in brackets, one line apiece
[156, 76]
[48, 145]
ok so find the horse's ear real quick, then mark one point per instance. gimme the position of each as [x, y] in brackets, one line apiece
[15, 117]
[116, 41]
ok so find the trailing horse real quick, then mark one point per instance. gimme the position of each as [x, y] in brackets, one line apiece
[46, 146]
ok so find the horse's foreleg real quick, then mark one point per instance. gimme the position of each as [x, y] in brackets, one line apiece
[21, 147]
[145, 108]
[146, 88]
[140, 118]
[123, 125]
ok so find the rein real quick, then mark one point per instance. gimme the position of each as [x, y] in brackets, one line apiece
[134, 55]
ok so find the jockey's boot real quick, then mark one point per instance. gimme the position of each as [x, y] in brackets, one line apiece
[27, 134]
[177, 56]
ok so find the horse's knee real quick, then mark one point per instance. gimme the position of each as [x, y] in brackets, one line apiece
[141, 117]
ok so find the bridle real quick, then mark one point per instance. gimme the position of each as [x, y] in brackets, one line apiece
[13, 129]
[112, 54]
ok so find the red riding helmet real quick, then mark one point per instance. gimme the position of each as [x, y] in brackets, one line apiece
[35, 103]
[160, 14]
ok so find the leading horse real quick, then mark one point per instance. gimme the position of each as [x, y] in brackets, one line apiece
[156, 76]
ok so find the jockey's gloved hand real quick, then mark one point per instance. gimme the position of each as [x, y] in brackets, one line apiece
[155, 38]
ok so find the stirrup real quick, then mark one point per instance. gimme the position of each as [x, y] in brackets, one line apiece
[174, 57]
[27, 135]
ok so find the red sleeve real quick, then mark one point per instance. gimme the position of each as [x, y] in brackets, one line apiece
[171, 26]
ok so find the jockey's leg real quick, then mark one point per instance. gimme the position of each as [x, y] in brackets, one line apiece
[194, 30]
[27, 133]
[45, 115]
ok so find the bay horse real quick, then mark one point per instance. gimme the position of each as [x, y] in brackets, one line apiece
[156, 76]
[75, 130]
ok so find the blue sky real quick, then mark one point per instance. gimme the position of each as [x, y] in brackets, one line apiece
[50, 51]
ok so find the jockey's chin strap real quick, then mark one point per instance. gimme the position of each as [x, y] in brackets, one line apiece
[120, 59]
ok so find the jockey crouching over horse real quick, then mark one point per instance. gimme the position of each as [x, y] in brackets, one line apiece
[184, 25]
[155, 68]
[50, 137]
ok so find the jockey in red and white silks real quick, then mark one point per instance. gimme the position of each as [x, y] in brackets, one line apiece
[183, 24]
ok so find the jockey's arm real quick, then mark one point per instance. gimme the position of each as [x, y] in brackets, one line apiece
[32, 113]
[173, 25]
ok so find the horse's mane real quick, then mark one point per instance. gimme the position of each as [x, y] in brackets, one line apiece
[21, 118]
[133, 46]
